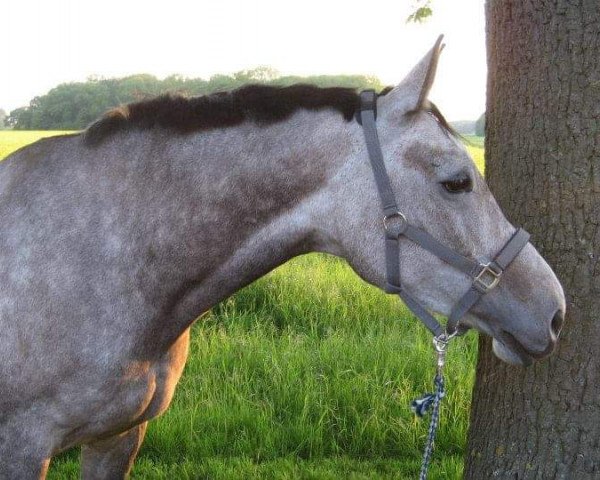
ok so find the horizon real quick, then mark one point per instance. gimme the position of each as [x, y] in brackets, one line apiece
[65, 46]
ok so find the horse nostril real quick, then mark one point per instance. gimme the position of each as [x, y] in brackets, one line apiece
[557, 322]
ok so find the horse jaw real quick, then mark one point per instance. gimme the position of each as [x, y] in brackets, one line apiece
[501, 351]
[505, 354]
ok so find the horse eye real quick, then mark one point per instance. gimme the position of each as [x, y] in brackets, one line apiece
[460, 183]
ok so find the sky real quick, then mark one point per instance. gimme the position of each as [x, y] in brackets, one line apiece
[50, 42]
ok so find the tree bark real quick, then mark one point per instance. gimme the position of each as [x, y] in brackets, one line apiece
[543, 165]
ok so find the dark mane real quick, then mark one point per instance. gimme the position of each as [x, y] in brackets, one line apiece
[263, 104]
[260, 103]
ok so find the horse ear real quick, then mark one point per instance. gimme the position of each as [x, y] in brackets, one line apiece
[415, 87]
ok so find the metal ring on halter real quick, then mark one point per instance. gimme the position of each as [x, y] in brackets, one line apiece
[400, 216]
[441, 341]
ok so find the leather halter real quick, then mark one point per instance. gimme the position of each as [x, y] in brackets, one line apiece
[485, 275]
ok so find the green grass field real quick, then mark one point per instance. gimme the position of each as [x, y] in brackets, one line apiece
[306, 374]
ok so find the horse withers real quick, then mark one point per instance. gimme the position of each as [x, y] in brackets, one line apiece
[114, 240]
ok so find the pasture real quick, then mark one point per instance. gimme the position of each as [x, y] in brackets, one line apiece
[306, 374]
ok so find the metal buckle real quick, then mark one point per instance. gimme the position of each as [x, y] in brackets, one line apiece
[487, 278]
[400, 216]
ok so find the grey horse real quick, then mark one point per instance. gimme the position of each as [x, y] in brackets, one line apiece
[113, 241]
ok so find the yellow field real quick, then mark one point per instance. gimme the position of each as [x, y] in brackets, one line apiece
[11, 140]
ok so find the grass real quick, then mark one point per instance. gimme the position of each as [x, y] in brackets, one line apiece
[306, 374]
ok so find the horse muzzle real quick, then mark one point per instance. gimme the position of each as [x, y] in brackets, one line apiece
[509, 349]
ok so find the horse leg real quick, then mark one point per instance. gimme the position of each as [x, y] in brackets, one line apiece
[112, 458]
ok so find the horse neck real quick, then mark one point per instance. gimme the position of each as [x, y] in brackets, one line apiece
[248, 199]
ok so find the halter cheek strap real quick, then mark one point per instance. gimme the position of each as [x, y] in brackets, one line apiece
[485, 275]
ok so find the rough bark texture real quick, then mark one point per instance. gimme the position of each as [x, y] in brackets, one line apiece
[543, 165]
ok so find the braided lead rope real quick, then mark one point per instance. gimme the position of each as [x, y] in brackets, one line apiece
[433, 424]
[421, 405]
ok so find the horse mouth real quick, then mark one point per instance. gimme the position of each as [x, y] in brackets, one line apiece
[510, 350]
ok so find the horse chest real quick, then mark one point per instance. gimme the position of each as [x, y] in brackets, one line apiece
[114, 404]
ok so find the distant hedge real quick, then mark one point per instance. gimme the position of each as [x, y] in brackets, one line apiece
[72, 106]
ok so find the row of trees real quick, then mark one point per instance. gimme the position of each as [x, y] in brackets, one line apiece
[72, 106]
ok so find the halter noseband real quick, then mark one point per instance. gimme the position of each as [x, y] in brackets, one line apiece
[485, 275]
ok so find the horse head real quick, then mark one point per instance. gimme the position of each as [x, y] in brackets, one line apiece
[440, 191]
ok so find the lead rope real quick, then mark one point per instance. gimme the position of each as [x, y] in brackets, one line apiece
[421, 405]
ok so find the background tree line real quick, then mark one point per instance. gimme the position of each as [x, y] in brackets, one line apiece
[72, 106]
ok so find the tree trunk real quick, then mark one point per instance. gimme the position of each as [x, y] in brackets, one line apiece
[543, 165]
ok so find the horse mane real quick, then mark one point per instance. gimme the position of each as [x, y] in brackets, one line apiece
[263, 104]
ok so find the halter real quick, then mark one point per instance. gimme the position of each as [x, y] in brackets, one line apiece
[485, 276]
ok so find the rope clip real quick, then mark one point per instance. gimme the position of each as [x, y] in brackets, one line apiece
[440, 343]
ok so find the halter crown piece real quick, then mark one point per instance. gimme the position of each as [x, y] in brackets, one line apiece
[485, 276]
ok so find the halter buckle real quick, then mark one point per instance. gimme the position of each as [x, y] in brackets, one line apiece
[487, 278]
[402, 220]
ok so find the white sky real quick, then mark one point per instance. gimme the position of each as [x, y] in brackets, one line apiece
[49, 42]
